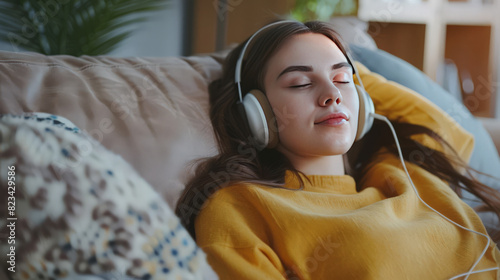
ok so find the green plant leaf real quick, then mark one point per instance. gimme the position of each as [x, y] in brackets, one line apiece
[304, 10]
[73, 27]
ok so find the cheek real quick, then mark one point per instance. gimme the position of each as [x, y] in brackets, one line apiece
[353, 106]
[285, 109]
[286, 114]
[354, 103]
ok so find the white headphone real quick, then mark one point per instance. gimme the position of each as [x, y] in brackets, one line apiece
[259, 113]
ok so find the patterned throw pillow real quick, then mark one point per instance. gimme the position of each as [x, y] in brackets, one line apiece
[78, 209]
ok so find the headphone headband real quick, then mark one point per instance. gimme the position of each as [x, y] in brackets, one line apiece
[237, 74]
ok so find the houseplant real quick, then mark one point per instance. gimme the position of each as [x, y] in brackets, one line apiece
[73, 27]
[304, 10]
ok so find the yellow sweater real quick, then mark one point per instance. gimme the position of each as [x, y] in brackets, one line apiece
[329, 230]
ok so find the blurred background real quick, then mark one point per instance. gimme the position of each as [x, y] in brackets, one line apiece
[456, 43]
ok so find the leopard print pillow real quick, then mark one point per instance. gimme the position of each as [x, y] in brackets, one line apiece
[79, 209]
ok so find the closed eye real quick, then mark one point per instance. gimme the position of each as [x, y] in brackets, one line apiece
[300, 86]
[342, 78]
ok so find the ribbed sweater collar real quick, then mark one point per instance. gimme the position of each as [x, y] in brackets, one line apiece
[332, 183]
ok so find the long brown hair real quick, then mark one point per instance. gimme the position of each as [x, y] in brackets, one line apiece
[240, 161]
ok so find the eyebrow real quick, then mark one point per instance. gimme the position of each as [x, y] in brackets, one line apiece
[303, 68]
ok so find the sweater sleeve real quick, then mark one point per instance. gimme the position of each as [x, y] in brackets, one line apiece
[402, 104]
[231, 231]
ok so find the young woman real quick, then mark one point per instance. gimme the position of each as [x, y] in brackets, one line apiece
[296, 208]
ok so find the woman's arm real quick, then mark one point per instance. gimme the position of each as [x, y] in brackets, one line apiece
[233, 234]
[493, 128]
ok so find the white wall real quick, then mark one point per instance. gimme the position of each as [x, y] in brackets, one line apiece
[161, 35]
[6, 47]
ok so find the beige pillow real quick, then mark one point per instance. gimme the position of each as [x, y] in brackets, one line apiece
[82, 210]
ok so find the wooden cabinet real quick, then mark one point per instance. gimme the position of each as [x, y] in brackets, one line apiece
[425, 33]
[242, 17]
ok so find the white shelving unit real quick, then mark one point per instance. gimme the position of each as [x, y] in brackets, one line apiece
[436, 15]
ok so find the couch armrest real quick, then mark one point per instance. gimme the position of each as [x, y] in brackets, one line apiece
[493, 128]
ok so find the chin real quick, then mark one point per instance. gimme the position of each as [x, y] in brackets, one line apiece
[341, 147]
[333, 150]
[339, 151]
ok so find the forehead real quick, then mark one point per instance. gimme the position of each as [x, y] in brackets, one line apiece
[307, 48]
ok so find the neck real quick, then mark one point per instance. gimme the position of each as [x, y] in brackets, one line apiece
[322, 165]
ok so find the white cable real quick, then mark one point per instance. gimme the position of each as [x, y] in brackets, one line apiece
[467, 274]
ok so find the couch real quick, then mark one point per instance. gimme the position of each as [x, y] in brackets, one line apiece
[152, 112]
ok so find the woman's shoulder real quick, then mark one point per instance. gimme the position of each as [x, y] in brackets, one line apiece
[240, 189]
[241, 194]
[235, 210]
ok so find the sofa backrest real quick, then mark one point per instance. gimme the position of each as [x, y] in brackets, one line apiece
[151, 111]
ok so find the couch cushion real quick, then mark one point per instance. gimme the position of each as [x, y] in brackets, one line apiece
[81, 209]
[151, 111]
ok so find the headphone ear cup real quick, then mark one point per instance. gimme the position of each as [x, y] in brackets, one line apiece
[261, 119]
[365, 120]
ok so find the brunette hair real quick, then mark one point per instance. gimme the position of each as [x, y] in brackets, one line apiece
[240, 161]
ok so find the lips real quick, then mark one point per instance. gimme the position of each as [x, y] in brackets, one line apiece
[333, 119]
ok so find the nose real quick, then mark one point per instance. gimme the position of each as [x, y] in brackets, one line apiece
[330, 95]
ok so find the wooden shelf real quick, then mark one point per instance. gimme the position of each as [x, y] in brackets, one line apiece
[438, 16]
[463, 13]
[382, 11]
[423, 12]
